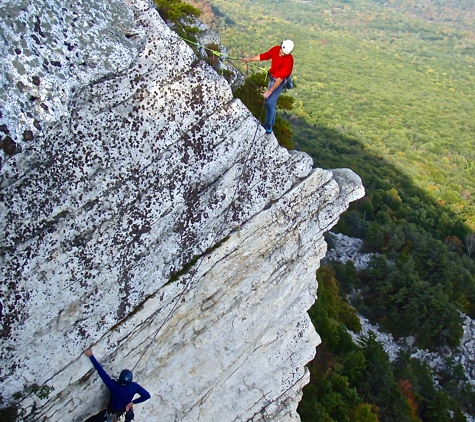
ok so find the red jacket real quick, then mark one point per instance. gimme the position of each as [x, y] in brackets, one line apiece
[281, 66]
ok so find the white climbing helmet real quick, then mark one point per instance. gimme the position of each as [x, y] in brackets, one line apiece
[287, 46]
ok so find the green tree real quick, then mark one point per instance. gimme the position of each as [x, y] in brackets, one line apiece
[180, 16]
[375, 238]
[364, 413]
[176, 11]
[437, 409]
[378, 384]
[310, 409]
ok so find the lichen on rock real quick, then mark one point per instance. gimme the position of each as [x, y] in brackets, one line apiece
[142, 166]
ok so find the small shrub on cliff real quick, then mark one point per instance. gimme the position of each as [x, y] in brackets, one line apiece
[13, 412]
[9, 414]
[176, 11]
[211, 58]
[180, 16]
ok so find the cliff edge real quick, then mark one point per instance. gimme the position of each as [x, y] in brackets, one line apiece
[145, 212]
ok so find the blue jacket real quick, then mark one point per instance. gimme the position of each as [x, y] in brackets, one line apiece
[121, 395]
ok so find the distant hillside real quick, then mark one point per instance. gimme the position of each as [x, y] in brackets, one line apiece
[208, 15]
[457, 13]
[396, 78]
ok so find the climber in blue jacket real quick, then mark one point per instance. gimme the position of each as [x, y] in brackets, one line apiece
[122, 393]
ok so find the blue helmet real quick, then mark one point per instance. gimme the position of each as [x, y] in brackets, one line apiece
[125, 377]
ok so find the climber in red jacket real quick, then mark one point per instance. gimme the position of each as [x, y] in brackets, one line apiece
[122, 393]
[281, 68]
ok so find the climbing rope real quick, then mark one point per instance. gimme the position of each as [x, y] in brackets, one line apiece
[179, 299]
[224, 56]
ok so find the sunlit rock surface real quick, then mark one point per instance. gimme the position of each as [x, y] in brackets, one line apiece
[49, 50]
[348, 249]
[145, 212]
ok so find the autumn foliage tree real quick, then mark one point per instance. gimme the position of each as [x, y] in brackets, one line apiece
[406, 390]
[208, 15]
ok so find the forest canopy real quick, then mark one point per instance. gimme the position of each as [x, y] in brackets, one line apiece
[381, 74]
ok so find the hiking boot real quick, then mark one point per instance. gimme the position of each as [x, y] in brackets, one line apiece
[268, 129]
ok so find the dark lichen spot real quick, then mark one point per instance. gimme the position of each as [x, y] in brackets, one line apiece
[37, 40]
[9, 146]
[38, 27]
[28, 135]
[4, 129]
[36, 80]
[18, 50]
[37, 125]
[21, 86]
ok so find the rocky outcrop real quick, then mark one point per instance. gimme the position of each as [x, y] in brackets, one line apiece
[346, 249]
[147, 214]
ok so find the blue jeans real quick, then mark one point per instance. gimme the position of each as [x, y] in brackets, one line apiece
[271, 103]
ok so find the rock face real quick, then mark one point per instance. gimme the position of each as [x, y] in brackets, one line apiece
[52, 48]
[146, 213]
[348, 249]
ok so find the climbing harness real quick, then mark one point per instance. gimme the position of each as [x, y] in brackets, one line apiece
[111, 416]
[289, 84]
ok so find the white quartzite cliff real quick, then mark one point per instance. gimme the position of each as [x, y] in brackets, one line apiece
[144, 212]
